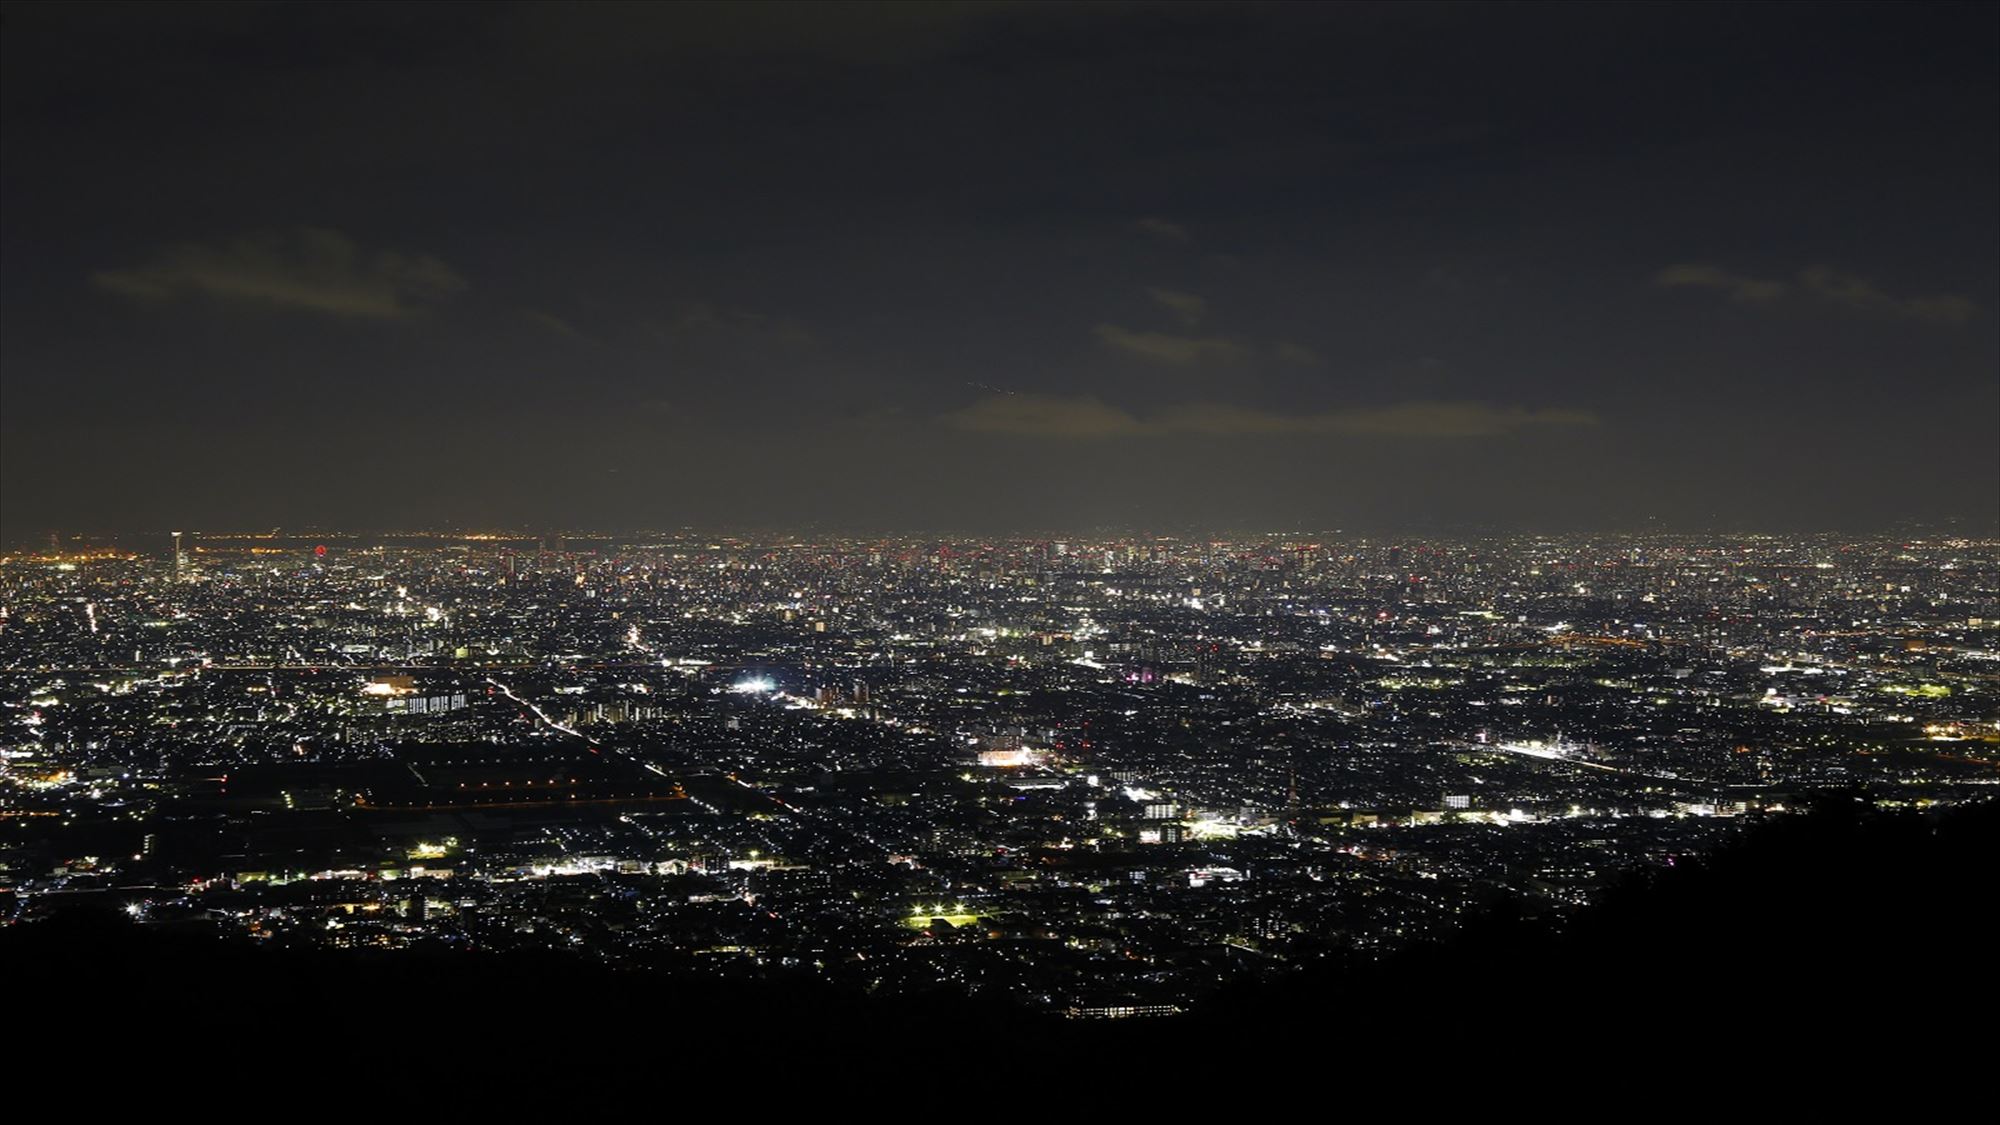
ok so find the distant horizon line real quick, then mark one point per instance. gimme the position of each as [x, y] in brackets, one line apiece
[27, 543]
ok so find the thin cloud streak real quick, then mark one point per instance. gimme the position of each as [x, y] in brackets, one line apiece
[1822, 284]
[1164, 347]
[310, 269]
[1190, 307]
[1161, 228]
[1087, 417]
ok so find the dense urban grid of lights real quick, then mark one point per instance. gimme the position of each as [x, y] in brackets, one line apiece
[1098, 776]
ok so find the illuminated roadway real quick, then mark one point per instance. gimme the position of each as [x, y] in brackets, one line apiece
[503, 689]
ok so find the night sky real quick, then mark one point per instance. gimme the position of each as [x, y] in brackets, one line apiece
[987, 267]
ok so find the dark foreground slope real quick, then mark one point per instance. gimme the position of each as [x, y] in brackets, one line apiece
[1806, 926]
[1840, 935]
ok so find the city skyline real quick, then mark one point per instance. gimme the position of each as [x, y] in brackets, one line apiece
[559, 539]
[1081, 779]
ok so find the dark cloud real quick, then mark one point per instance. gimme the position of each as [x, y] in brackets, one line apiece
[704, 320]
[1161, 228]
[1748, 290]
[1236, 261]
[1189, 307]
[1295, 353]
[1828, 284]
[549, 322]
[1825, 285]
[1088, 417]
[1164, 347]
[311, 269]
